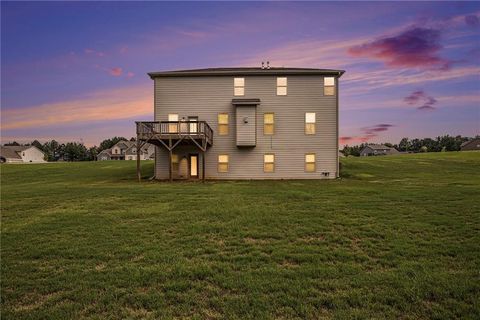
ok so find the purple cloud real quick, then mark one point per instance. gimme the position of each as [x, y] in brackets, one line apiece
[472, 20]
[417, 47]
[421, 100]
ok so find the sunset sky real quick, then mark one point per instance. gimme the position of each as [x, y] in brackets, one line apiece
[75, 71]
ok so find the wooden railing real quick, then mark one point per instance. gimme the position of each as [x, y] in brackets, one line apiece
[199, 129]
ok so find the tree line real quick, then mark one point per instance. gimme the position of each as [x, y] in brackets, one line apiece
[439, 144]
[71, 151]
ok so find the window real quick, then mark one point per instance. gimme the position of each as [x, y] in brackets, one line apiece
[175, 162]
[268, 123]
[223, 124]
[223, 163]
[329, 86]
[310, 162]
[173, 127]
[238, 86]
[268, 163]
[281, 86]
[310, 123]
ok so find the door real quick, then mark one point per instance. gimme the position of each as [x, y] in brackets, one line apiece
[193, 123]
[194, 165]
[173, 127]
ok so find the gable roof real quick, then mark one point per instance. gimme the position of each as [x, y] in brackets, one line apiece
[379, 147]
[10, 153]
[473, 141]
[239, 71]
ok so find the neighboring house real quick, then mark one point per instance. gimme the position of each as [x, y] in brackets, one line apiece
[377, 150]
[126, 150]
[21, 154]
[470, 145]
[245, 123]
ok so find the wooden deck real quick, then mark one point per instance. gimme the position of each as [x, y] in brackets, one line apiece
[170, 134]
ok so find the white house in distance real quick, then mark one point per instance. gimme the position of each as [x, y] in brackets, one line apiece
[127, 150]
[21, 154]
[377, 150]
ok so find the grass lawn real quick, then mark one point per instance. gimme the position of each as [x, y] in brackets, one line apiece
[396, 238]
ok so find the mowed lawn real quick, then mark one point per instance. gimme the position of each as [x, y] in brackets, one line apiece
[396, 238]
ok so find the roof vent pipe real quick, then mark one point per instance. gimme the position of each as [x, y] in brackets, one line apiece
[263, 67]
[268, 64]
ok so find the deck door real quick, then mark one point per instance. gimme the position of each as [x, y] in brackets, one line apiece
[193, 122]
[173, 127]
[194, 165]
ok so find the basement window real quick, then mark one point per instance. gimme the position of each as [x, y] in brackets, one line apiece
[223, 124]
[310, 162]
[310, 123]
[268, 123]
[281, 86]
[238, 86]
[329, 86]
[223, 163]
[269, 163]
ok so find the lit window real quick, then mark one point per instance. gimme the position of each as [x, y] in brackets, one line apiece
[329, 86]
[223, 124]
[268, 162]
[238, 86]
[223, 163]
[310, 162]
[175, 162]
[310, 123]
[281, 86]
[268, 123]
[173, 127]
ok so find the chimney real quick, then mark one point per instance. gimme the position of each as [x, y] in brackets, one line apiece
[268, 64]
[263, 67]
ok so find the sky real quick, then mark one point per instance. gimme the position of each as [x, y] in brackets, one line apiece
[76, 71]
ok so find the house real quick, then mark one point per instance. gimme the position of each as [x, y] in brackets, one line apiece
[470, 145]
[21, 154]
[126, 150]
[377, 150]
[244, 123]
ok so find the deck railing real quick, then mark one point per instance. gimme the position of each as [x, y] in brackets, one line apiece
[199, 129]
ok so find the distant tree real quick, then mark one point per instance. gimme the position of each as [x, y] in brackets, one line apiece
[53, 150]
[37, 144]
[14, 143]
[404, 145]
[92, 153]
[75, 152]
[424, 149]
[108, 143]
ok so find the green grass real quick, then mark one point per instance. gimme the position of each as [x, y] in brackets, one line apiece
[396, 238]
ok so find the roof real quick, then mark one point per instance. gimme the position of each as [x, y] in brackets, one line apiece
[246, 71]
[10, 153]
[379, 147]
[17, 148]
[471, 141]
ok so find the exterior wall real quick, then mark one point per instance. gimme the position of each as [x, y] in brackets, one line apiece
[367, 151]
[32, 154]
[207, 96]
[116, 150]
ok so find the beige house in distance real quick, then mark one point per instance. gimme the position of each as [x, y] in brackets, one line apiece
[127, 150]
[244, 123]
[21, 154]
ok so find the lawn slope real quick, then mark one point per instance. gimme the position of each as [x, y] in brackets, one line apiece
[396, 237]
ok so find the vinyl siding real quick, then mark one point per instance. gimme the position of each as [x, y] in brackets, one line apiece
[207, 96]
[246, 132]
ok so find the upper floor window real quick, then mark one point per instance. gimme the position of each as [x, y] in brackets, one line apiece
[223, 124]
[223, 163]
[268, 123]
[173, 127]
[329, 86]
[238, 86]
[310, 123]
[310, 162]
[281, 86]
[268, 163]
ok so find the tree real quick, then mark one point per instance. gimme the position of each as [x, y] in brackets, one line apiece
[424, 149]
[37, 144]
[92, 153]
[14, 143]
[75, 152]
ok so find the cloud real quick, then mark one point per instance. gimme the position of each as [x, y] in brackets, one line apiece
[89, 51]
[472, 20]
[415, 47]
[122, 103]
[366, 133]
[116, 72]
[420, 99]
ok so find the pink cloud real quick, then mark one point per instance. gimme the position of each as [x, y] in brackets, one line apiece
[413, 48]
[116, 72]
[130, 74]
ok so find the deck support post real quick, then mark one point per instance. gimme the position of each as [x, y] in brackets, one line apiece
[139, 174]
[170, 164]
[203, 166]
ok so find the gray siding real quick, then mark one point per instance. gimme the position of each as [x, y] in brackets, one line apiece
[246, 131]
[207, 96]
